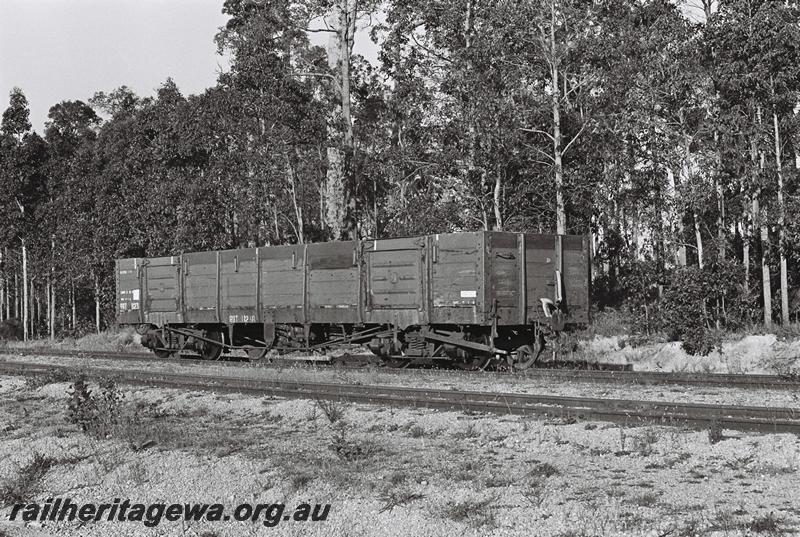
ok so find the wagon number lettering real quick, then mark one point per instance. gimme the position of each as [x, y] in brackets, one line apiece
[241, 318]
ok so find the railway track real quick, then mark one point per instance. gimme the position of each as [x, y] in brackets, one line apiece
[548, 371]
[629, 412]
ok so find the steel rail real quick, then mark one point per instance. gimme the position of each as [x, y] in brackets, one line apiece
[725, 380]
[630, 412]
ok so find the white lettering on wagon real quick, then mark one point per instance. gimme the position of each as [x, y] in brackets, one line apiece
[241, 318]
[469, 294]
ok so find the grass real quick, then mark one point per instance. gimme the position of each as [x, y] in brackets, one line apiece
[477, 512]
[118, 341]
[470, 431]
[397, 497]
[543, 469]
[22, 487]
[52, 376]
[769, 524]
[648, 499]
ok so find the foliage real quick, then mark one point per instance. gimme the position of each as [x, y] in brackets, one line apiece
[651, 132]
[698, 302]
[96, 415]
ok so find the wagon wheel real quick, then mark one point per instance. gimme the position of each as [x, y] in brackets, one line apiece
[524, 357]
[396, 362]
[210, 351]
[476, 361]
[163, 353]
[256, 353]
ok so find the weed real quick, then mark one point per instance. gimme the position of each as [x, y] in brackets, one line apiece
[416, 432]
[300, 481]
[765, 524]
[137, 473]
[715, 432]
[96, 415]
[397, 477]
[332, 410]
[543, 469]
[648, 499]
[51, 376]
[347, 448]
[397, 497]
[21, 488]
[535, 490]
[690, 528]
[470, 431]
[499, 481]
[644, 443]
[478, 512]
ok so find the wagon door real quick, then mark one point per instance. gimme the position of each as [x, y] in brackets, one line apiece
[162, 289]
[395, 277]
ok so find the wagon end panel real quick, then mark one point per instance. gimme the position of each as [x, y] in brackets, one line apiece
[395, 274]
[333, 288]
[238, 286]
[540, 273]
[577, 277]
[129, 291]
[457, 278]
[162, 290]
[552, 260]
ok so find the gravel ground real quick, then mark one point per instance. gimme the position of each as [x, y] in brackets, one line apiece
[456, 380]
[754, 354]
[392, 471]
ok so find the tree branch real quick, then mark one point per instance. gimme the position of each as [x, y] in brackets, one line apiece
[564, 151]
[537, 131]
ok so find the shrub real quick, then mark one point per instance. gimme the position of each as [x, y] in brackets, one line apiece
[698, 302]
[96, 415]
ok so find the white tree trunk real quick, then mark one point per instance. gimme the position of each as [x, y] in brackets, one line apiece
[698, 237]
[2, 289]
[72, 304]
[25, 333]
[781, 224]
[561, 214]
[498, 216]
[97, 304]
[291, 178]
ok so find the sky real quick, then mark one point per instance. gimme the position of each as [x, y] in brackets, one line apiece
[59, 50]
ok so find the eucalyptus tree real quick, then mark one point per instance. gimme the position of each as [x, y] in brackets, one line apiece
[756, 68]
[23, 156]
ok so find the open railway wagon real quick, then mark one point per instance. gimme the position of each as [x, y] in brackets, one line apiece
[465, 298]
